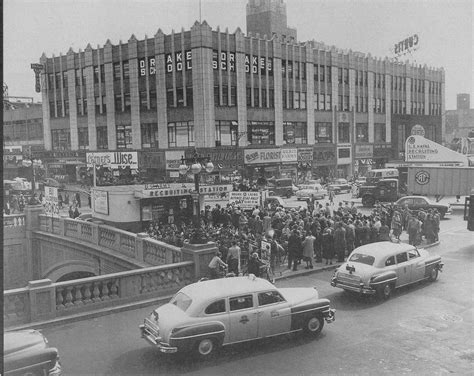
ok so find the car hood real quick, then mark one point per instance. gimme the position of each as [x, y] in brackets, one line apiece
[22, 340]
[297, 295]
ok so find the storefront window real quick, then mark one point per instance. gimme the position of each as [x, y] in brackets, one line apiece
[181, 134]
[124, 136]
[61, 139]
[226, 133]
[379, 132]
[261, 132]
[323, 132]
[149, 133]
[102, 138]
[83, 138]
[362, 132]
[343, 132]
[294, 133]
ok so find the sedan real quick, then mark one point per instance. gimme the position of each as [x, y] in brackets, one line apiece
[339, 186]
[206, 315]
[315, 191]
[380, 268]
[422, 202]
[26, 352]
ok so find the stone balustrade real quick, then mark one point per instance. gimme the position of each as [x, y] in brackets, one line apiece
[44, 300]
[14, 220]
[136, 246]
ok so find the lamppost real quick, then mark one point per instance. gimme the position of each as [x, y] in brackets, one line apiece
[28, 161]
[198, 162]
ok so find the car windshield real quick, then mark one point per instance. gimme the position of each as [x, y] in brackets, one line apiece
[181, 301]
[363, 259]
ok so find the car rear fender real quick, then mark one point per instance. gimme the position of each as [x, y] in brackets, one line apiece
[300, 313]
[432, 262]
[382, 278]
[185, 337]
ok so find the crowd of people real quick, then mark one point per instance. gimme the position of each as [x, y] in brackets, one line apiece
[320, 233]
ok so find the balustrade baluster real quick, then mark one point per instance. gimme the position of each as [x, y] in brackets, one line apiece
[105, 291]
[87, 293]
[96, 292]
[78, 296]
[69, 297]
[59, 299]
[114, 289]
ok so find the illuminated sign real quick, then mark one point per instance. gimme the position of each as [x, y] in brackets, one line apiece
[142, 66]
[227, 60]
[179, 61]
[407, 45]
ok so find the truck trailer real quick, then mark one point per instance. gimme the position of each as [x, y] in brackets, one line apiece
[440, 181]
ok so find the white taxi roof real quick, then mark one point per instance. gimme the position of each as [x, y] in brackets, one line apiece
[381, 249]
[226, 287]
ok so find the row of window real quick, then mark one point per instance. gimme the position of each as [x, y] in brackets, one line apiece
[255, 101]
[294, 69]
[181, 134]
[322, 73]
[295, 100]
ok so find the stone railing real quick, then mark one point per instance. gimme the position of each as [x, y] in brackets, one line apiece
[136, 246]
[43, 300]
[13, 220]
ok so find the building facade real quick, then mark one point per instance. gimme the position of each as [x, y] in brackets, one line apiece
[460, 122]
[273, 105]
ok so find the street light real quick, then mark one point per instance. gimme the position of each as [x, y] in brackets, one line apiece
[28, 161]
[198, 162]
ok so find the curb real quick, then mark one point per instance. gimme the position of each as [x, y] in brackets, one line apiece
[304, 272]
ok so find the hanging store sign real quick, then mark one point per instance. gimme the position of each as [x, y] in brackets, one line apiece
[364, 151]
[262, 156]
[143, 67]
[113, 160]
[289, 155]
[222, 158]
[224, 61]
[173, 159]
[420, 149]
[178, 61]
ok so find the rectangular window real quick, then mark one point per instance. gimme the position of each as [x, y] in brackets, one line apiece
[328, 102]
[283, 68]
[297, 69]
[117, 71]
[102, 73]
[104, 104]
[84, 105]
[264, 97]
[52, 109]
[127, 102]
[233, 96]
[362, 132]
[98, 101]
[256, 97]
[271, 98]
[84, 76]
[357, 104]
[241, 302]
[77, 75]
[118, 102]
[261, 133]
[217, 101]
[96, 74]
[59, 106]
[303, 71]
[102, 142]
[58, 80]
[180, 97]
[83, 138]
[339, 75]
[149, 132]
[61, 139]
[379, 132]
[66, 107]
[321, 102]
[322, 76]
[226, 133]
[290, 99]
[303, 101]
[346, 76]
[290, 69]
[124, 136]
[50, 81]
[296, 100]
[189, 97]
[294, 133]
[143, 101]
[181, 134]
[316, 72]
[315, 101]
[346, 103]
[79, 107]
[126, 69]
[65, 79]
[365, 78]
[323, 132]
[249, 97]
[225, 95]
[284, 99]
[339, 104]
[343, 132]
[328, 73]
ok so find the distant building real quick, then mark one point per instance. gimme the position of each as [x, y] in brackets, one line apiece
[262, 104]
[460, 122]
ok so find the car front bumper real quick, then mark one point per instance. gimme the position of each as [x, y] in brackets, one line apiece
[330, 315]
[361, 289]
[155, 342]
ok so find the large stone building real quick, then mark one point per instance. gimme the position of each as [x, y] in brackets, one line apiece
[263, 103]
[460, 122]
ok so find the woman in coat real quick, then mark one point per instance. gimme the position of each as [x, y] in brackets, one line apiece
[328, 245]
[308, 250]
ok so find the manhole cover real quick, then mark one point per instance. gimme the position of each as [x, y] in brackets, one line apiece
[451, 318]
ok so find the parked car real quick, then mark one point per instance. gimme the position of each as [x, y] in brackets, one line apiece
[206, 315]
[339, 186]
[422, 202]
[311, 190]
[281, 187]
[361, 180]
[27, 352]
[379, 268]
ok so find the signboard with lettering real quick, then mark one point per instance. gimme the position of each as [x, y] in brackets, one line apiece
[222, 157]
[305, 154]
[418, 129]
[254, 63]
[113, 160]
[179, 61]
[407, 45]
[245, 200]
[420, 149]
[227, 60]
[289, 155]
[142, 66]
[51, 206]
[183, 189]
[173, 159]
[100, 200]
[259, 156]
[364, 151]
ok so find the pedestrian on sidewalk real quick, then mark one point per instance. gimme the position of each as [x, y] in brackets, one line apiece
[328, 245]
[78, 199]
[294, 249]
[340, 242]
[308, 250]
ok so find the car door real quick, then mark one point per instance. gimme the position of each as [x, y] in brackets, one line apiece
[403, 269]
[418, 265]
[419, 203]
[274, 314]
[243, 318]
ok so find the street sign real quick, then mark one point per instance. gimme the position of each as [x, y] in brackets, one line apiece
[51, 206]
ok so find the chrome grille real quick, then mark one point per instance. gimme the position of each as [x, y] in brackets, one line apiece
[152, 328]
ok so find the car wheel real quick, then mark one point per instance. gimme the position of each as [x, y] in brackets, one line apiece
[314, 325]
[434, 274]
[205, 347]
[385, 291]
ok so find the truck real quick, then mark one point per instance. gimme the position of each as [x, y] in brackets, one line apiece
[440, 181]
[383, 190]
[469, 211]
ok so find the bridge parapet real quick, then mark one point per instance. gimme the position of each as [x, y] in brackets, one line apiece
[44, 300]
[14, 225]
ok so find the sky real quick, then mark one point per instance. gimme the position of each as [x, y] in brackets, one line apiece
[445, 29]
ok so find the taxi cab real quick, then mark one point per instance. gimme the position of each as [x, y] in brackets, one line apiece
[206, 315]
[379, 268]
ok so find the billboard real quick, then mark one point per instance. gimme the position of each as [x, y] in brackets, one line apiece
[420, 149]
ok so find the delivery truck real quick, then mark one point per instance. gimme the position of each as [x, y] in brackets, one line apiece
[440, 181]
